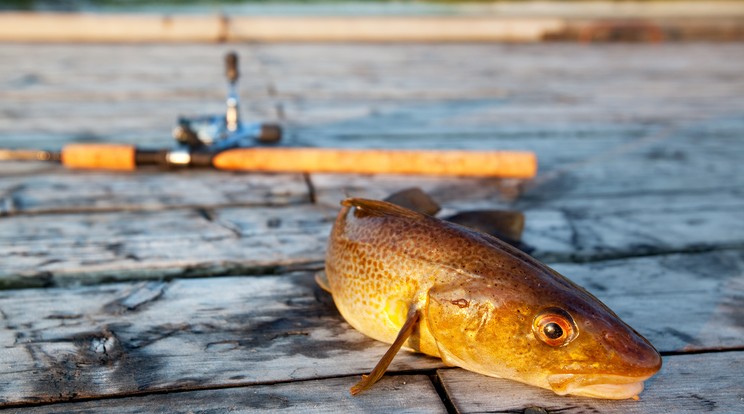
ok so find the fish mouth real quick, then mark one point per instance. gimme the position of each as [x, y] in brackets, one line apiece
[611, 387]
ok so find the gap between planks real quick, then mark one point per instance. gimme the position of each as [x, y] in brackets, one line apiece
[89, 248]
[258, 330]
[459, 391]
[412, 385]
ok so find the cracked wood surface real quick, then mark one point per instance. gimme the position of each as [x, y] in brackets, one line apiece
[70, 248]
[638, 199]
[63, 191]
[118, 339]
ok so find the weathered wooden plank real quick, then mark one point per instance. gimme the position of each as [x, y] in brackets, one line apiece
[708, 382]
[116, 339]
[639, 144]
[70, 248]
[491, 116]
[579, 227]
[121, 73]
[380, 70]
[21, 168]
[63, 344]
[525, 109]
[400, 394]
[592, 168]
[703, 158]
[681, 302]
[60, 190]
[122, 93]
[87, 248]
[364, 89]
[503, 70]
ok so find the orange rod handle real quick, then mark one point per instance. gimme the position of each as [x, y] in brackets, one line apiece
[512, 164]
[99, 156]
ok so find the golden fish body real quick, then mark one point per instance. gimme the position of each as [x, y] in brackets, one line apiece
[477, 303]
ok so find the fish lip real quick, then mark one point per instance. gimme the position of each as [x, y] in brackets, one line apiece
[607, 386]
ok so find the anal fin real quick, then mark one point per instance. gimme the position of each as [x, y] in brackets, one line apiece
[379, 370]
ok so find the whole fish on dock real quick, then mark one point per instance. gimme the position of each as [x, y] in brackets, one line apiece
[435, 287]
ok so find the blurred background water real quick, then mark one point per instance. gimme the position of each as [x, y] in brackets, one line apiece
[553, 8]
[247, 7]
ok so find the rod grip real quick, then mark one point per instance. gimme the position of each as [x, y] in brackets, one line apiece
[511, 164]
[99, 156]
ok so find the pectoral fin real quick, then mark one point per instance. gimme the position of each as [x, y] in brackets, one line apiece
[405, 332]
[321, 278]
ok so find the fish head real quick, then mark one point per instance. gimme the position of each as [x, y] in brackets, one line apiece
[557, 337]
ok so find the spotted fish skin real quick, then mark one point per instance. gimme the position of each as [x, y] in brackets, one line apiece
[374, 274]
[479, 300]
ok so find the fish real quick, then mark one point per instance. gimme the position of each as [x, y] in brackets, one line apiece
[430, 286]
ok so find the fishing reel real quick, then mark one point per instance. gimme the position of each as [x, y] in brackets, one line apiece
[215, 133]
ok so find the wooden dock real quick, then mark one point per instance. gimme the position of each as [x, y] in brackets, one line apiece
[193, 291]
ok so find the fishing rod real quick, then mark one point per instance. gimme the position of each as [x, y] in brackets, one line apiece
[225, 143]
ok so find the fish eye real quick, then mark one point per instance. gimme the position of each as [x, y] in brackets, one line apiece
[555, 327]
[553, 330]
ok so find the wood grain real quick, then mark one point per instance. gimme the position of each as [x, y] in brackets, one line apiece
[366, 90]
[37, 190]
[63, 344]
[687, 383]
[89, 248]
[638, 200]
[64, 248]
[680, 302]
[684, 160]
[401, 393]
[118, 339]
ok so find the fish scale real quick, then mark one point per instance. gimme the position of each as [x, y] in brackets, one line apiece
[435, 287]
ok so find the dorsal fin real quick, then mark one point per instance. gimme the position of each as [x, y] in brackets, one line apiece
[376, 208]
[507, 225]
[414, 199]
